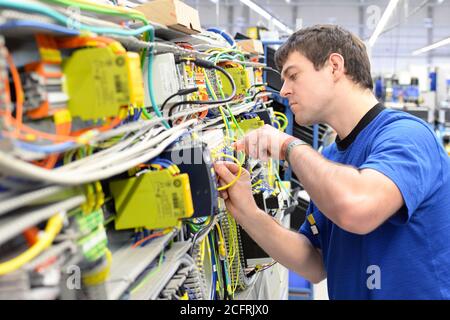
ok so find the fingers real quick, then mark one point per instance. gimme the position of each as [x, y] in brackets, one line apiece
[234, 169]
[251, 142]
[258, 144]
[223, 194]
[231, 166]
[252, 147]
[239, 145]
[223, 171]
[248, 144]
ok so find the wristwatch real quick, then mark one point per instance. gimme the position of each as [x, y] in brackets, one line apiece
[290, 147]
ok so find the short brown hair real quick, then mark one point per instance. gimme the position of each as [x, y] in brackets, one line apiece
[316, 43]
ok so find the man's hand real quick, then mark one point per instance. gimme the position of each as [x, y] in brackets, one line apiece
[238, 198]
[290, 248]
[264, 143]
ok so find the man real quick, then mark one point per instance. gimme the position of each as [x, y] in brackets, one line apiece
[380, 195]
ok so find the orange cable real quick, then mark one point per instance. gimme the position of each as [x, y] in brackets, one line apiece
[154, 235]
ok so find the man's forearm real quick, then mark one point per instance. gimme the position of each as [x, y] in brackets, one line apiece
[328, 184]
[291, 249]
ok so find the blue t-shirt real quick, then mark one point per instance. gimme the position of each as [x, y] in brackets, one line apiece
[408, 256]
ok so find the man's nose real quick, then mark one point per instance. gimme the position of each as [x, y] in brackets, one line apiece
[285, 90]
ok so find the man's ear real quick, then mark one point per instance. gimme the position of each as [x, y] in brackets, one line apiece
[337, 63]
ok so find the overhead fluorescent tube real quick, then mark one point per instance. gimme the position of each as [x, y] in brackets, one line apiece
[266, 15]
[432, 46]
[383, 21]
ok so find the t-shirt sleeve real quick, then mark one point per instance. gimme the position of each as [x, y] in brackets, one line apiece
[407, 152]
[305, 228]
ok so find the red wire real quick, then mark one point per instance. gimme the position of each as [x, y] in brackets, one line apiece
[21, 128]
[154, 235]
[17, 122]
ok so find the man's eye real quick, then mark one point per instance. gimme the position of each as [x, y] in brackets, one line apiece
[293, 77]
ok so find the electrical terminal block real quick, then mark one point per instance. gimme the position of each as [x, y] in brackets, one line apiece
[153, 200]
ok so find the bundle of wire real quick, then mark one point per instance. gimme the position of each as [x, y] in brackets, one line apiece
[132, 150]
[128, 141]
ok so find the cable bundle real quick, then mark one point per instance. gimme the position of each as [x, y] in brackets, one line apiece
[61, 160]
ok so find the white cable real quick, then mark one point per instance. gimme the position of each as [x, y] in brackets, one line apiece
[127, 128]
[117, 156]
[182, 114]
[14, 166]
[108, 172]
[10, 226]
[17, 201]
[137, 138]
[17, 15]
[131, 152]
[105, 153]
[81, 178]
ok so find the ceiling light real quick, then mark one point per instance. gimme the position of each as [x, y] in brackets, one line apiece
[432, 46]
[383, 21]
[266, 15]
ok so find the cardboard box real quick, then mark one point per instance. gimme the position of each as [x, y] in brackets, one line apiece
[174, 14]
[251, 46]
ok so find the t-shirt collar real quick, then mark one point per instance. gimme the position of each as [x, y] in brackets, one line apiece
[343, 144]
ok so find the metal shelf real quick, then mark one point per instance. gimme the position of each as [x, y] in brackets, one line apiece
[173, 260]
[128, 263]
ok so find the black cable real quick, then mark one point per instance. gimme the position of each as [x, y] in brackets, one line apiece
[263, 91]
[262, 85]
[256, 85]
[255, 270]
[200, 233]
[182, 92]
[269, 266]
[208, 65]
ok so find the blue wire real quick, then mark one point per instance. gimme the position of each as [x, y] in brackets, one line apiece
[256, 106]
[164, 165]
[262, 188]
[146, 233]
[214, 267]
[48, 149]
[38, 25]
[136, 237]
[133, 118]
[137, 115]
[225, 35]
[168, 162]
[32, 7]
